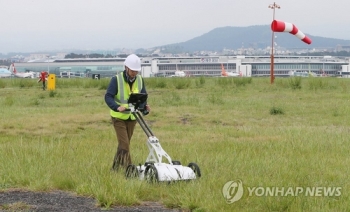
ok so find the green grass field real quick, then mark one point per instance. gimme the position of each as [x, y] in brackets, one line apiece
[294, 133]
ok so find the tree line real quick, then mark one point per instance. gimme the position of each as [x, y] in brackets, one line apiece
[94, 55]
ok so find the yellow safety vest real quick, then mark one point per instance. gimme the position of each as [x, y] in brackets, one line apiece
[123, 95]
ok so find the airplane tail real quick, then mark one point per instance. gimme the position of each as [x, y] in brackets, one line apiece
[223, 71]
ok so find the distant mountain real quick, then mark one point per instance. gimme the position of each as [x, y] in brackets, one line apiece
[259, 36]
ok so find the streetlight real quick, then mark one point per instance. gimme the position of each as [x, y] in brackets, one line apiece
[273, 7]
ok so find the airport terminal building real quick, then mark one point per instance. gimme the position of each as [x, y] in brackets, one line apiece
[248, 66]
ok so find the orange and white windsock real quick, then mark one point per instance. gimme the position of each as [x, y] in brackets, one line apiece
[280, 26]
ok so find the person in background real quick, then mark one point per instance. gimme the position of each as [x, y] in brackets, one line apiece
[43, 78]
[118, 92]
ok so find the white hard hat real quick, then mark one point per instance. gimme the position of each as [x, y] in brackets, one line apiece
[133, 62]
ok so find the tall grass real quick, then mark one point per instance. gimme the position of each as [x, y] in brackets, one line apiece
[288, 134]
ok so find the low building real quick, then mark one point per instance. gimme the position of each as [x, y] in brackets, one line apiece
[256, 66]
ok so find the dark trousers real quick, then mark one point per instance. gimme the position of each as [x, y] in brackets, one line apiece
[124, 131]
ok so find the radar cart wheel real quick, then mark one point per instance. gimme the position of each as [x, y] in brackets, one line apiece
[195, 169]
[151, 174]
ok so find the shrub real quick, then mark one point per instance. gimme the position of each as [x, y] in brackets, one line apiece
[276, 111]
[181, 83]
[295, 82]
[242, 81]
[317, 83]
[156, 82]
[52, 93]
[200, 82]
[2, 84]
[9, 101]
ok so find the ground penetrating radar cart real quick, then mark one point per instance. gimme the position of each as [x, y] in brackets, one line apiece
[154, 170]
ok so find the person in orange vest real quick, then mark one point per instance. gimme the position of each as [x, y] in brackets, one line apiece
[42, 78]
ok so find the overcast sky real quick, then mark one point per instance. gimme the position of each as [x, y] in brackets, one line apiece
[45, 25]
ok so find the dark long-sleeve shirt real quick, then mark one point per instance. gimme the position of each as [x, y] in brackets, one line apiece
[112, 91]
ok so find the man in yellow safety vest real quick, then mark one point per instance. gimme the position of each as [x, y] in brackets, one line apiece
[116, 97]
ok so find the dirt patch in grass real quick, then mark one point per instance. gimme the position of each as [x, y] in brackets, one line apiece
[19, 200]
